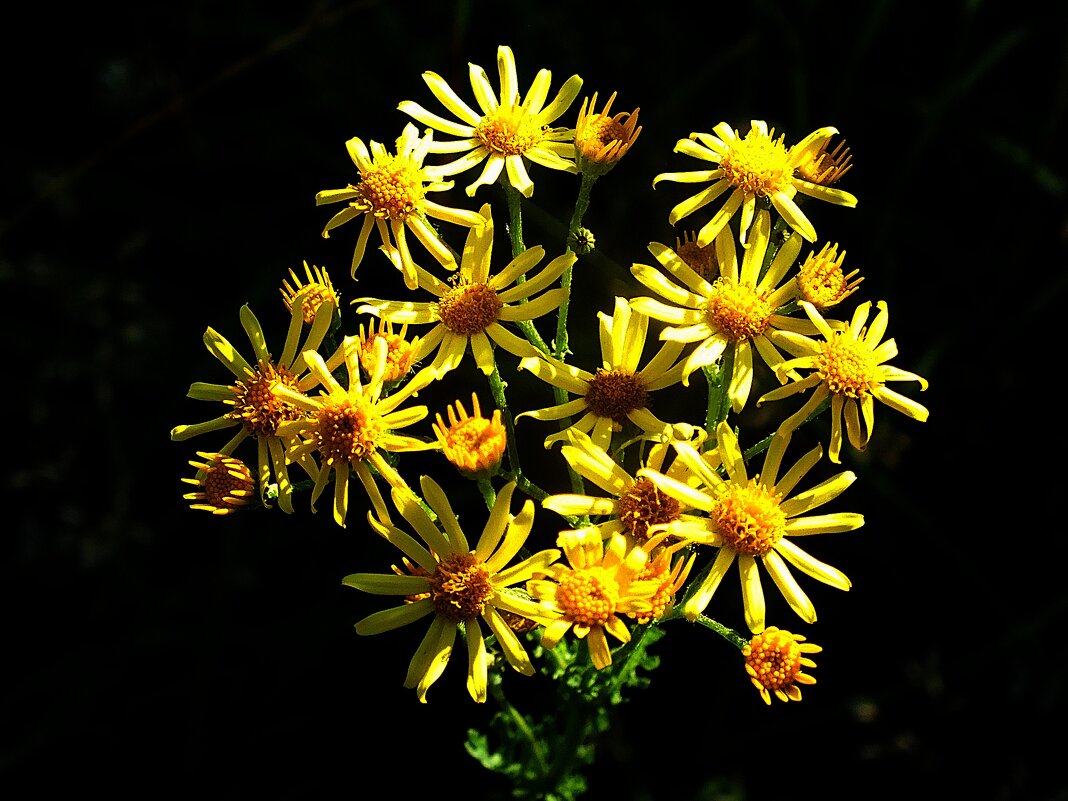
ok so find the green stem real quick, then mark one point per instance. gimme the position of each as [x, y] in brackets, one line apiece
[729, 634]
[489, 495]
[515, 218]
[497, 387]
[719, 402]
[536, 746]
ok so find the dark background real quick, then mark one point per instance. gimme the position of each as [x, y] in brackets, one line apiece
[160, 168]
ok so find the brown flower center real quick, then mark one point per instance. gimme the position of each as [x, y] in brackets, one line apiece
[615, 393]
[460, 587]
[256, 405]
[347, 430]
[644, 505]
[469, 308]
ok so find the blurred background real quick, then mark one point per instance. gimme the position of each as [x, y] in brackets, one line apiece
[160, 167]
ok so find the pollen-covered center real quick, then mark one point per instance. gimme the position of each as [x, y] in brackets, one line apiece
[748, 518]
[615, 393]
[509, 130]
[644, 505]
[256, 405]
[737, 310]
[847, 366]
[347, 430]
[227, 482]
[392, 188]
[587, 597]
[312, 296]
[475, 444]
[773, 658]
[758, 164]
[399, 356]
[822, 280]
[599, 132]
[469, 308]
[460, 587]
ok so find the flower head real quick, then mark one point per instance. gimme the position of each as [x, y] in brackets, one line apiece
[821, 166]
[225, 484]
[391, 195]
[602, 138]
[254, 406]
[458, 585]
[588, 595]
[753, 520]
[774, 660]
[400, 351]
[473, 444]
[313, 294]
[738, 310]
[756, 166]
[619, 390]
[822, 281]
[850, 367]
[472, 308]
[504, 134]
[699, 258]
[350, 426]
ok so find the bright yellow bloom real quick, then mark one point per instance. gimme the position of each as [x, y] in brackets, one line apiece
[255, 406]
[773, 661]
[602, 138]
[751, 167]
[392, 196]
[400, 351]
[848, 366]
[225, 484]
[751, 519]
[619, 390]
[823, 167]
[317, 291]
[822, 281]
[472, 308]
[458, 585]
[635, 507]
[588, 595]
[503, 134]
[475, 444]
[668, 570]
[738, 310]
[350, 427]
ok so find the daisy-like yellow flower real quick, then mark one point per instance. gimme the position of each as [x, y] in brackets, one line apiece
[668, 570]
[634, 507]
[603, 138]
[392, 196]
[618, 391]
[349, 427]
[737, 310]
[255, 407]
[317, 291]
[400, 351]
[224, 484]
[751, 519]
[822, 281]
[504, 134]
[458, 585]
[751, 167]
[589, 595]
[473, 444]
[849, 367]
[473, 307]
[774, 660]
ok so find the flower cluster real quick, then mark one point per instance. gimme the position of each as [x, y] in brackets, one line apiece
[659, 505]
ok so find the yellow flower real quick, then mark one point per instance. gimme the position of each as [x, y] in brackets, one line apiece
[225, 484]
[317, 291]
[635, 507]
[472, 308]
[737, 310]
[474, 445]
[602, 138]
[400, 352]
[668, 570]
[751, 167]
[504, 134]
[751, 519]
[255, 406]
[848, 366]
[350, 427]
[392, 196]
[773, 661]
[823, 167]
[588, 596]
[458, 585]
[822, 281]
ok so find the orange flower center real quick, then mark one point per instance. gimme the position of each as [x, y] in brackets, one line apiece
[460, 587]
[615, 393]
[598, 132]
[847, 366]
[399, 356]
[748, 518]
[347, 430]
[226, 484]
[587, 597]
[822, 281]
[392, 188]
[644, 505]
[256, 405]
[736, 310]
[758, 164]
[509, 131]
[476, 444]
[773, 659]
[469, 308]
[826, 168]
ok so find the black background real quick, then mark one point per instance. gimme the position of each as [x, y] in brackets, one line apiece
[160, 168]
